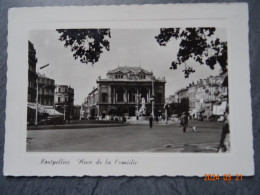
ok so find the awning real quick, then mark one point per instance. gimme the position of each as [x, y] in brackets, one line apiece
[33, 106]
[53, 112]
[44, 109]
[219, 109]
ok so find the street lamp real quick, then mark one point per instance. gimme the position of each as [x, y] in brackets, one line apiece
[166, 115]
[37, 94]
[65, 112]
[153, 78]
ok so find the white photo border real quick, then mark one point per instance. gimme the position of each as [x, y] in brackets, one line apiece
[233, 17]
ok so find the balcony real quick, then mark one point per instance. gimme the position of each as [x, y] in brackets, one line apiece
[46, 93]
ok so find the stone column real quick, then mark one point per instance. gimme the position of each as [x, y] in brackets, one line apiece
[147, 96]
[109, 95]
[114, 95]
[149, 92]
[125, 94]
[137, 94]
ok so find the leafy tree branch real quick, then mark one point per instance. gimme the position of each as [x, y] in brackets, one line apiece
[86, 44]
[198, 44]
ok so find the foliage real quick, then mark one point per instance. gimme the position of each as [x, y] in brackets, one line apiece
[198, 44]
[86, 44]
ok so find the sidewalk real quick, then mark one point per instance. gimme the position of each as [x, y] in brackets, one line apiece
[75, 126]
[146, 122]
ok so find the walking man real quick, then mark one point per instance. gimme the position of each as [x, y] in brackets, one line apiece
[224, 145]
[151, 121]
[184, 121]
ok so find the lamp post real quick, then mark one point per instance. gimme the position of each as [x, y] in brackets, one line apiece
[166, 114]
[54, 114]
[137, 105]
[37, 94]
[65, 109]
[153, 96]
[97, 111]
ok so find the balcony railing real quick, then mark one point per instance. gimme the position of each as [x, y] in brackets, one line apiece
[46, 93]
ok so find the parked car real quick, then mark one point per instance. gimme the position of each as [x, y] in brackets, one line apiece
[174, 117]
[213, 118]
[52, 121]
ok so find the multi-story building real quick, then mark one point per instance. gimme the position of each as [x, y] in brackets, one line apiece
[126, 90]
[191, 92]
[207, 97]
[76, 112]
[64, 100]
[182, 94]
[90, 104]
[32, 76]
[46, 87]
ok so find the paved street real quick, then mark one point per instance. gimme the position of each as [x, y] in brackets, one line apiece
[129, 138]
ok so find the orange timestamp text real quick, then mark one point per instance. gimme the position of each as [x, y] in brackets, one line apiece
[225, 177]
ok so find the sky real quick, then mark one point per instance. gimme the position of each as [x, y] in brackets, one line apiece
[128, 47]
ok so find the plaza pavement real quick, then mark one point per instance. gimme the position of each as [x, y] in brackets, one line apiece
[128, 138]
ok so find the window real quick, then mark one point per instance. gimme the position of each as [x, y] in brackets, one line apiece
[132, 94]
[119, 76]
[120, 95]
[143, 93]
[59, 89]
[58, 99]
[142, 76]
[159, 96]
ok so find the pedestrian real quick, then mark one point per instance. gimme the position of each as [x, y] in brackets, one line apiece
[184, 121]
[224, 145]
[151, 121]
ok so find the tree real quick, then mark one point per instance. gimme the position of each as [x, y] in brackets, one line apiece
[198, 44]
[86, 44]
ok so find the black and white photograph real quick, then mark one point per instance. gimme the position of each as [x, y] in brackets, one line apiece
[128, 90]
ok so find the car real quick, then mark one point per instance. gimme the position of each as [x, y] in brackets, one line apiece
[51, 121]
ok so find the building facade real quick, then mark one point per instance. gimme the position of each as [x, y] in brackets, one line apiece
[64, 100]
[32, 76]
[206, 97]
[46, 87]
[126, 91]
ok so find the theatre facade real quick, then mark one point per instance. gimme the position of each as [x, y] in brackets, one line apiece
[131, 91]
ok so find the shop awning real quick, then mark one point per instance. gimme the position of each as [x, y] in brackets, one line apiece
[44, 109]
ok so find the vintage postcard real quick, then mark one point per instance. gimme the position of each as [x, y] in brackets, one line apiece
[129, 90]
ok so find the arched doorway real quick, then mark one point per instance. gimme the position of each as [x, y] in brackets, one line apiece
[120, 94]
[132, 95]
[143, 92]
